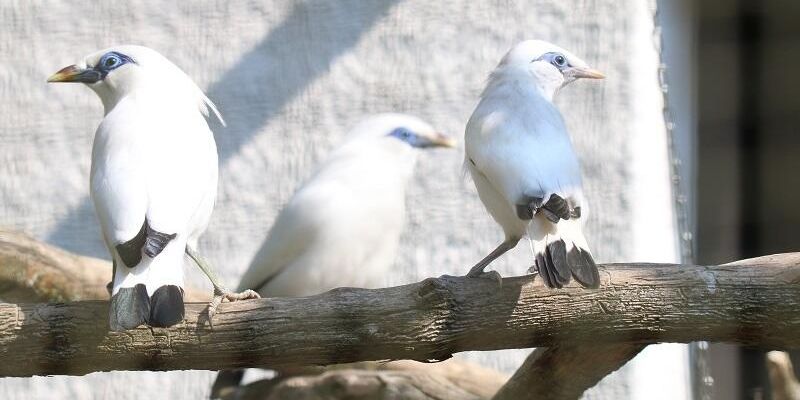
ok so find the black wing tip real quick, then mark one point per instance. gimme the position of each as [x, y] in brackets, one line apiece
[558, 207]
[131, 251]
[156, 241]
[555, 209]
[166, 306]
[148, 240]
[129, 308]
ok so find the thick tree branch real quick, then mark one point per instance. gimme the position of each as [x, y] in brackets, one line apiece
[753, 302]
[565, 371]
[32, 271]
[407, 380]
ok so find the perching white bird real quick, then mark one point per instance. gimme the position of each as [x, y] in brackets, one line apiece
[520, 157]
[342, 226]
[153, 180]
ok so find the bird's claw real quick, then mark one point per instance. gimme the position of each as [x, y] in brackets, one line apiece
[534, 269]
[490, 275]
[225, 296]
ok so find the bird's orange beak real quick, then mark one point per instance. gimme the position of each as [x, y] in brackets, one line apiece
[586, 72]
[73, 73]
[441, 140]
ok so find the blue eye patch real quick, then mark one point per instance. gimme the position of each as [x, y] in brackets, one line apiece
[111, 61]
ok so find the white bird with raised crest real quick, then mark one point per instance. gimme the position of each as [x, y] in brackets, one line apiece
[153, 180]
[520, 156]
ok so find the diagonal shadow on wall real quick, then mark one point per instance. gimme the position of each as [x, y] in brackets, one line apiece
[295, 53]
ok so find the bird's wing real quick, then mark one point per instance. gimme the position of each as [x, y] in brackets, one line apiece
[293, 232]
[119, 184]
[341, 228]
[182, 173]
[522, 154]
[152, 171]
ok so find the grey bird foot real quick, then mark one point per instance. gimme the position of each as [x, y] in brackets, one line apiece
[224, 296]
[490, 275]
[534, 269]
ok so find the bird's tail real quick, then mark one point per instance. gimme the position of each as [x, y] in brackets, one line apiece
[226, 383]
[561, 252]
[151, 292]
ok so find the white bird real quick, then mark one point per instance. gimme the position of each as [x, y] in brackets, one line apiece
[153, 180]
[520, 157]
[342, 226]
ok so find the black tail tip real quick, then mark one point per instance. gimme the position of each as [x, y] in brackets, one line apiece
[129, 308]
[556, 266]
[583, 267]
[166, 306]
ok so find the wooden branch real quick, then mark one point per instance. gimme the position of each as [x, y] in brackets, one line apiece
[754, 302]
[565, 371]
[32, 271]
[409, 380]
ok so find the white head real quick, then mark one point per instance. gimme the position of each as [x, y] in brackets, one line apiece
[393, 138]
[118, 71]
[398, 133]
[548, 66]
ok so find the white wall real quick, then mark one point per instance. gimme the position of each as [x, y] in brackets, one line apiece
[290, 78]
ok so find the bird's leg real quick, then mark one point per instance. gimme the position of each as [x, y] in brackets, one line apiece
[221, 294]
[477, 270]
[110, 285]
[534, 269]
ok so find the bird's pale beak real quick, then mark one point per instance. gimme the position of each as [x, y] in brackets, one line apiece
[73, 73]
[586, 72]
[441, 140]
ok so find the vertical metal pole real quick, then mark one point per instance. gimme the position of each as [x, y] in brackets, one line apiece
[753, 370]
[700, 379]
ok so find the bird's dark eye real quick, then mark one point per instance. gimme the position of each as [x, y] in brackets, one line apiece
[559, 60]
[403, 134]
[111, 61]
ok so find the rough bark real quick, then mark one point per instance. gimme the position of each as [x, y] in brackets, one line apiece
[407, 380]
[565, 371]
[753, 302]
